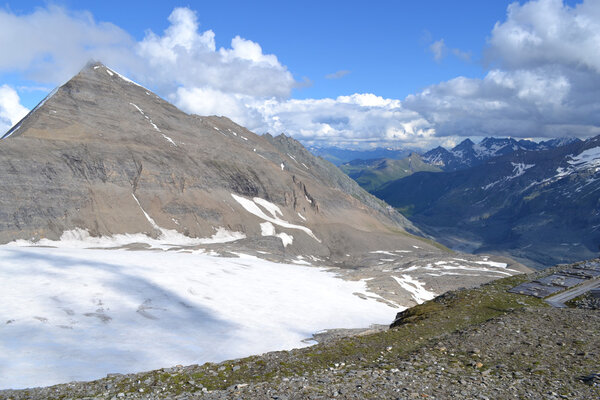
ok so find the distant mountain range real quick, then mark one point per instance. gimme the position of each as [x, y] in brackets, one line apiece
[541, 206]
[338, 156]
[468, 154]
[373, 173]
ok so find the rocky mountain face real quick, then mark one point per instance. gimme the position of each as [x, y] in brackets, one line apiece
[468, 154]
[372, 174]
[540, 206]
[106, 155]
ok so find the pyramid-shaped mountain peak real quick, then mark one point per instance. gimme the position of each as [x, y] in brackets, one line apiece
[106, 155]
[96, 104]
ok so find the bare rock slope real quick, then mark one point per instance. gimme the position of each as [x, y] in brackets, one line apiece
[102, 151]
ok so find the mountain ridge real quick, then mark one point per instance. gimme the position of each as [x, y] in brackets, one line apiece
[536, 205]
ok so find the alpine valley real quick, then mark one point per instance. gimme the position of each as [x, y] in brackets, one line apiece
[541, 206]
[536, 202]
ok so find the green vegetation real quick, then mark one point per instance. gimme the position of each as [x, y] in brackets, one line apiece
[371, 175]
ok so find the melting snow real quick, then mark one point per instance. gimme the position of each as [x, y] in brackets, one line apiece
[589, 158]
[382, 252]
[518, 170]
[169, 140]
[282, 166]
[267, 205]
[301, 216]
[267, 229]
[415, 288]
[152, 123]
[492, 263]
[252, 208]
[78, 314]
[442, 267]
[80, 238]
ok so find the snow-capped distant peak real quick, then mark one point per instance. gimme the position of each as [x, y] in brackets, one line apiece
[589, 158]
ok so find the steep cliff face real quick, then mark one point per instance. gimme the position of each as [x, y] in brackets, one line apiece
[106, 155]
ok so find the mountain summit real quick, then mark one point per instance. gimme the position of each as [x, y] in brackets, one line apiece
[105, 155]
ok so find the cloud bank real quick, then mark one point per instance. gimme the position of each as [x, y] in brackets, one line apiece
[11, 110]
[542, 80]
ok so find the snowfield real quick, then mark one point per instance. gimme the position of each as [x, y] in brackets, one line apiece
[77, 314]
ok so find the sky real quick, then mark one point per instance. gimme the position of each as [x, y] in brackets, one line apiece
[402, 74]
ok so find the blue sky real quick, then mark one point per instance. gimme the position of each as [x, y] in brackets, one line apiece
[402, 67]
[384, 45]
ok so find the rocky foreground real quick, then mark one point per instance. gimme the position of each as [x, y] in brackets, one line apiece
[482, 343]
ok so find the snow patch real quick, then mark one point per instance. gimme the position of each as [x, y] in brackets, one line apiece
[151, 122]
[382, 252]
[415, 288]
[267, 229]
[80, 239]
[78, 314]
[589, 158]
[252, 208]
[169, 140]
[518, 170]
[270, 207]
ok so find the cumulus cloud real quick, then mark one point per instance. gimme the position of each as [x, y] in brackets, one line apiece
[54, 58]
[347, 120]
[185, 57]
[338, 74]
[11, 110]
[547, 32]
[543, 77]
[545, 81]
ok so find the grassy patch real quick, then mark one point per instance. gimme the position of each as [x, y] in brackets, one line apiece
[407, 211]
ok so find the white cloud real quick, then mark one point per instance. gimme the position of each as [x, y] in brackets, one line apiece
[185, 57]
[338, 74]
[346, 120]
[438, 48]
[54, 58]
[546, 83]
[11, 110]
[207, 101]
[546, 32]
